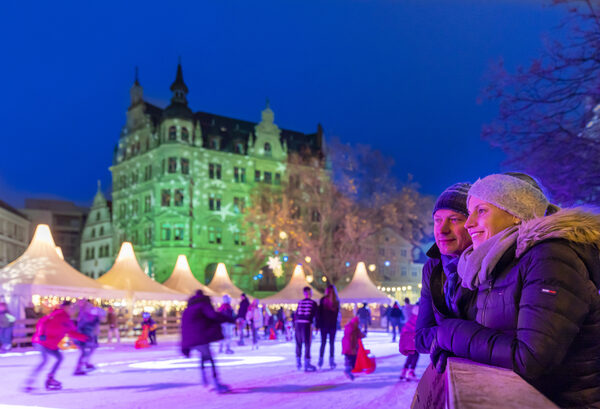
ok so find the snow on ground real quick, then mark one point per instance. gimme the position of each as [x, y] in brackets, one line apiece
[160, 377]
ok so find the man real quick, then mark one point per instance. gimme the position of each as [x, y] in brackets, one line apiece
[442, 296]
[305, 314]
[364, 318]
[88, 323]
[241, 317]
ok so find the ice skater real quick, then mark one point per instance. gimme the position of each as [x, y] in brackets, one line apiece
[201, 325]
[327, 318]
[149, 323]
[226, 327]
[352, 334]
[408, 347]
[113, 325]
[364, 318]
[305, 314]
[49, 331]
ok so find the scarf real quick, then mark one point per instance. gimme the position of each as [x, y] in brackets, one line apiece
[476, 265]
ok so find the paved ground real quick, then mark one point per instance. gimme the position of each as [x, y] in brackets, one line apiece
[159, 377]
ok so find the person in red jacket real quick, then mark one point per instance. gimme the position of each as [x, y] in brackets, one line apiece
[352, 334]
[49, 331]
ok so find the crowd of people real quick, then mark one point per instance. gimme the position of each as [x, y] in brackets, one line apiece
[511, 281]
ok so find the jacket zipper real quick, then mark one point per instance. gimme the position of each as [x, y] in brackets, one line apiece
[487, 295]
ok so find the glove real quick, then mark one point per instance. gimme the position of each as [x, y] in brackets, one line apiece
[439, 356]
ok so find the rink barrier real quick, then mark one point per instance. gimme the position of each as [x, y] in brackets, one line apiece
[473, 385]
[23, 329]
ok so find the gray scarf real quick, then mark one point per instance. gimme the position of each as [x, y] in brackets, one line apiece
[475, 266]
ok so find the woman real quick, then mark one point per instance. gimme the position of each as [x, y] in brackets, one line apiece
[227, 327]
[538, 305]
[327, 317]
[254, 317]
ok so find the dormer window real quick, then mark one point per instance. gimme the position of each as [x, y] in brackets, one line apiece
[185, 136]
[239, 148]
[214, 144]
[268, 149]
[172, 133]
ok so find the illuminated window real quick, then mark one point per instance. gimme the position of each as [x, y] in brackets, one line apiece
[172, 165]
[172, 133]
[214, 171]
[239, 204]
[185, 166]
[165, 232]
[178, 234]
[165, 197]
[239, 175]
[178, 197]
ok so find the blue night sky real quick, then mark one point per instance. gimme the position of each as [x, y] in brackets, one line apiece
[402, 76]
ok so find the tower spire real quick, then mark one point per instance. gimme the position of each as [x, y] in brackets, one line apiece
[178, 87]
[136, 92]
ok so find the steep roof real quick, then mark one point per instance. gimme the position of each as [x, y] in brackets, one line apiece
[183, 280]
[361, 289]
[293, 291]
[221, 283]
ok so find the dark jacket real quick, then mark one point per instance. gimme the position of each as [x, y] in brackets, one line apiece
[539, 313]
[432, 306]
[200, 323]
[396, 314]
[306, 311]
[327, 317]
[364, 315]
[244, 304]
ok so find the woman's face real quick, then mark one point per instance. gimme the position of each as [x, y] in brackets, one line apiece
[485, 220]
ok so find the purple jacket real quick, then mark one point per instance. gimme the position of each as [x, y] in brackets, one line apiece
[200, 323]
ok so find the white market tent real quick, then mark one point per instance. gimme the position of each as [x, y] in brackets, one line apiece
[42, 271]
[126, 274]
[183, 280]
[221, 283]
[292, 292]
[361, 289]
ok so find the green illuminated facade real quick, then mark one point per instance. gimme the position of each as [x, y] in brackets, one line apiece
[181, 181]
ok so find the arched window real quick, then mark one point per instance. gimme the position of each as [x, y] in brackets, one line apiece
[239, 148]
[185, 136]
[268, 149]
[101, 230]
[93, 233]
[97, 216]
[172, 133]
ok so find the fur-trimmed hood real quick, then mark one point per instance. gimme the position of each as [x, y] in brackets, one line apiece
[578, 224]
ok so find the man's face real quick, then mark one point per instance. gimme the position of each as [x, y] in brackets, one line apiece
[308, 294]
[449, 231]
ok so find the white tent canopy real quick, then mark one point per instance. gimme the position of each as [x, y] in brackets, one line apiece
[361, 289]
[183, 280]
[292, 292]
[42, 271]
[126, 274]
[221, 283]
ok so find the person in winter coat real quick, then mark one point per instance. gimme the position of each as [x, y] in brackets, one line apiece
[241, 316]
[396, 318]
[537, 272]
[149, 323]
[442, 295]
[352, 334]
[327, 315]
[407, 345]
[227, 327]
[88, 323]
[113, 325]
[7, 321]
[304, 317]
[49, 331]
[254, 318]
[364, 318]
[201, 325]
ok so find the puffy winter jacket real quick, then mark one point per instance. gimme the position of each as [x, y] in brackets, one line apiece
[200, 323]
[52, 328]
[432, 306]
[351, 336]
[327, 317]
[539, 313]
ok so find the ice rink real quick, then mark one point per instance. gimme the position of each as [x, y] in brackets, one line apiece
[160, 377]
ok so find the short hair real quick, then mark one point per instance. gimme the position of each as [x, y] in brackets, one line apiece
[66, 303]
[306, 289]
[407, 300]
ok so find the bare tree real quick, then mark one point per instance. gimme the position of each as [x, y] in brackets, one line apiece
[544, 109]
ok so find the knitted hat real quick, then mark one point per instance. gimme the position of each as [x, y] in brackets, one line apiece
[520, 198]
[226, 299]
[454, 198]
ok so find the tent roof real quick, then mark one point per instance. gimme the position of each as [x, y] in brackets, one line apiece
[183, 280]
[292, 292]
[362, 289]
[221, 283]
[41, 270]
[127, 275]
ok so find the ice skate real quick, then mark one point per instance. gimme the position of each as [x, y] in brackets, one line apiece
[403, 374]
[52, 384]
[349, 375]
[298, 364]
[320, 363]
[222, 388]
[411, 376]
[332, 364]
[79, 372]
[308, 367]
[229, 351]
[89, 367]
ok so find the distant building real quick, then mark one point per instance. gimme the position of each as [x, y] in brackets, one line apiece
[396, 264]
[14, 233]
[66, 221]
[97, 251]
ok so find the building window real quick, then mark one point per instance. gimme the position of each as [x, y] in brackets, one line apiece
[165, 232]
[178, 197]
[185, 166]
[239, 239]
[101, 231]
[93, 253]
[134, 237]
[239, 204]
[239, 148]
[172, 165]
[214, 202]
[268, 149]
[97, 216]
[172, 133]
[147, 203]
[239, 175]
[123, 181]
[315, 216]
[278, 178]
[185, 135]
[134, 178]
[403, 252]
[211, 234]
[267, 178]
[148, 235]
[122, 209]
[404, 272]
[165, 197]
[414, 273]
[214, 171]
[178, 233]
[93, 233]
[214, 144]
[257, 175]
[148, 173]
[134, 207]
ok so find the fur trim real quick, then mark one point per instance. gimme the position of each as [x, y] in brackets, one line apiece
[577, 224]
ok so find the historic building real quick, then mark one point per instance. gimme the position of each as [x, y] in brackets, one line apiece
[181, 181]
[97, 242]
[14, 233]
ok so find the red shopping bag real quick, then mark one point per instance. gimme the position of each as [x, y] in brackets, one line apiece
[364, 363]
[142, 341]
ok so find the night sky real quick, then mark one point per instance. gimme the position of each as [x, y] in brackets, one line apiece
[402, 76]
